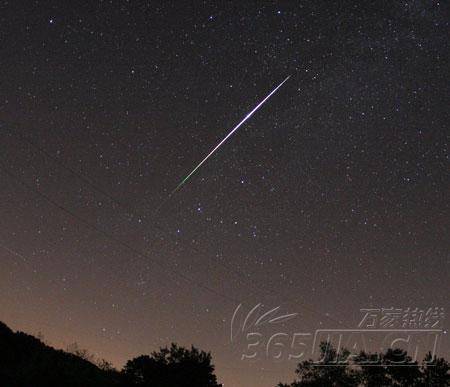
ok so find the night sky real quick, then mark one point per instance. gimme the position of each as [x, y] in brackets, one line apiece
[331, 198]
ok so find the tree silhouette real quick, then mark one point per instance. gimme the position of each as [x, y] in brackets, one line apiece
[436, 372]
[373, 373]
[392, 368]
[174, 366]
[332, 370]
[27, 361]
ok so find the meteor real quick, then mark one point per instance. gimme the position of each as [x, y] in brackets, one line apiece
[227, 137]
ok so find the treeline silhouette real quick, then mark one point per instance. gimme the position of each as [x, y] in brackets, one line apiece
[25, 361]
[391, 368]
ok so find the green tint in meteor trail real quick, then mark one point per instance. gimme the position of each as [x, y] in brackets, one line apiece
[228, 136]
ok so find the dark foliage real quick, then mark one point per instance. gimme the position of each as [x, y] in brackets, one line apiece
[26, 361]
[337, 369]
[174, 366]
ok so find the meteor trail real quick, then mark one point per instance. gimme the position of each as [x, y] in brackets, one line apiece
[227, 136]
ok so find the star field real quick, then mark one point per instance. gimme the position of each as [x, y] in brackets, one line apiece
[331, 198]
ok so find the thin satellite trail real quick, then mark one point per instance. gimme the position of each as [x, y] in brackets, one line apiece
[227, 137]
[12, 252]
[95, 187]
[88, 182]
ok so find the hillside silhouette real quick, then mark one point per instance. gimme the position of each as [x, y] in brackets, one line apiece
[25, 361]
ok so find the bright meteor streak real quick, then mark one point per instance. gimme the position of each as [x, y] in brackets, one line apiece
[228, 136]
